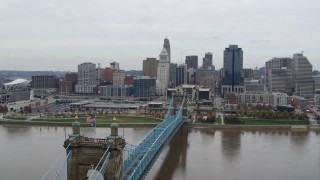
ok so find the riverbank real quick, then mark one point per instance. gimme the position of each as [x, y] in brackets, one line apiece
[100, 121]
[145, 123]
[254, 127]
[47, 123]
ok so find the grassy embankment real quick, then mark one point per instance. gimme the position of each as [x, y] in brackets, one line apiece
[250, 121]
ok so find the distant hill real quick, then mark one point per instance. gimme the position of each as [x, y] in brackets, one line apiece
[6, 74]
[134, 72]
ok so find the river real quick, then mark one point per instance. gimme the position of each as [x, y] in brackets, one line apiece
[26, 152]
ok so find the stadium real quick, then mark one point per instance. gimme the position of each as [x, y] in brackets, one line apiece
[17, 90]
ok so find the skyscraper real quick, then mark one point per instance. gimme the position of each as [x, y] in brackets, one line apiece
[232, 76]
[207, 61]
[205, 77]
[192, 62]
[87, 78]
[118, 78]
[149, 68]
[279, 75]
[173, 69]
[181, 75]
[302, 75]
[166, 45]
[163, 72]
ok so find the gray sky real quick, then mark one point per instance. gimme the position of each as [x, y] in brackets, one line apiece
[60, 34]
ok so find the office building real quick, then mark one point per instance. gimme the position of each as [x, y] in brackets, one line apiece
[181, 75]
[114, 65]
[106, 74]
[149, 68]
[173, 70]
[65, 87]
[205, 78]
[232, 75]
[192, 62]
[73, 78]
[166, 45]
[279, 75]
[304, 85]
[118, 78]
[144, 87]
[191, 76]
[248, 73]
[115, 91]
[207, 61]
[163, 73]
[257, 74]
[87, 78]
[128, 80]
[44, 83]
[317, 98]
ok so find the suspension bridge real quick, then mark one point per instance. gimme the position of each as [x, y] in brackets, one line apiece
[94, 159]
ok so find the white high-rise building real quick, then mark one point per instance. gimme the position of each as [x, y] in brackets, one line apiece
[118, 78]
[87, 78]
[163, 72]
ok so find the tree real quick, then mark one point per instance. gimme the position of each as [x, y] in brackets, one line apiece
[238, 106]
[258, 106]
[21, 110]
[5, 109]
[286, 114]
[231, 119]
[263, 106]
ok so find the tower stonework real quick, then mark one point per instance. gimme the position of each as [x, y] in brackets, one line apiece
[87, 152]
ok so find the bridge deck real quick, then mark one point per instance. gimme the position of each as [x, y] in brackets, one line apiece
[142, 157]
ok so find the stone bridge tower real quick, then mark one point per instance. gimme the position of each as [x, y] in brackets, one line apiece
[87, 153]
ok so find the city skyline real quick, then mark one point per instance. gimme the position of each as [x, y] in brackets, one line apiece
[45, 35]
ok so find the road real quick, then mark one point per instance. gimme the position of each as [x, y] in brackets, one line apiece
[218, 105]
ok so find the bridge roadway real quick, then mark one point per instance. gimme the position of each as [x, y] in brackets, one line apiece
[141, 159]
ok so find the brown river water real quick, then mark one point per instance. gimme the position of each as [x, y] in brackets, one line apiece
[26, 152]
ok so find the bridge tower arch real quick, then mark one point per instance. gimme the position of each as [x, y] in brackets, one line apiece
[91, 153]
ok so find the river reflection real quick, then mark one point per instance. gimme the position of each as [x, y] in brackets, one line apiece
[230, 144]
[28, 151]
[244, 155]
[175, 158]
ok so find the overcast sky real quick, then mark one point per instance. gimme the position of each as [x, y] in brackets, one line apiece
[60, 34]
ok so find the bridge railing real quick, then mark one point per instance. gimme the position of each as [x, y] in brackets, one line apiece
[144, 142]
[137, 161]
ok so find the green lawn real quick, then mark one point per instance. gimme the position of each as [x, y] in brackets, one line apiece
[273, 122]
[218, 120]
[106, 119]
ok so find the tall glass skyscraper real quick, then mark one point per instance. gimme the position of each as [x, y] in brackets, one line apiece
[232, 77]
